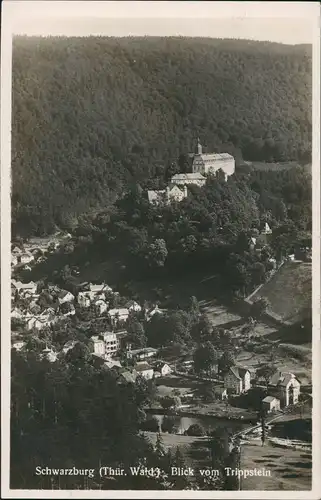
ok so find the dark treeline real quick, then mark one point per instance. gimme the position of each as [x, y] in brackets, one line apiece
[92, 115]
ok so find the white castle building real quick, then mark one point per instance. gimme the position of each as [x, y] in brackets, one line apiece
[205, 163]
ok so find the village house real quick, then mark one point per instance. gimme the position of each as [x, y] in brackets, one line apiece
[67, 309]
[152, 312]
[97, 289]
[126, 377]
[141, 354]
[83, 299]
[161, 369]
[220, 393]
[237, 380]
[205, 163]
[39, 322]
[112, 363]
[286, 387]
[16, 313]
[266, 229]
[194, 178]
[69, 345]
[117, 315]
[101, 306]
[97, 345]
[25, 258]
[270, 404]
[172, 193]
[65, 296]
[112, 343]
[15, 250]
[144, 369]
[18, 345]
[133, 306]
[49, 354]
[31, 287]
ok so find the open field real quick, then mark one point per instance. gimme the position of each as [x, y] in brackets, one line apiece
[295, 356]
[290, 469]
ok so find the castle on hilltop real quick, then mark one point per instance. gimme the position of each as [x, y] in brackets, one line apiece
[205, 163]
[201, 165]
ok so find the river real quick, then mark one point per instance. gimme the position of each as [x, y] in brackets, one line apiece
[207, 422]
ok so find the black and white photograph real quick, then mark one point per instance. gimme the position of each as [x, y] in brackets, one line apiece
[160, 301]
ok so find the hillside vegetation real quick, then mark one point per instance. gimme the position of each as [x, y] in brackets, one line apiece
[289, 292]
[91, 116]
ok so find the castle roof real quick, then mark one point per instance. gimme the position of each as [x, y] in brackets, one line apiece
[215, 156]
[188, 176]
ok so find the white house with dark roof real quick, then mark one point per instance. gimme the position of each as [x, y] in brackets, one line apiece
[205, 163]
[285, 386]
[25, 258]
[117, 315]
[99, 291]
[142, 353]
[22, 287]
[65, 296]
[270, 403]
[98, 345]
[237, 380]
[161, 369]
[132, 305]
[152, 312]
[194, 178]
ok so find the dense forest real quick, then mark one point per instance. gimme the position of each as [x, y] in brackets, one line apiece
[93, 116]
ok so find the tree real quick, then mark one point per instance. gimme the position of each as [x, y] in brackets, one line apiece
[259, 308]
[195, 430]
[151, 425]
[157, 253]
[202, 329]
[205, 359]
[168, 424]
[170, 402]
[145, 391]
[266, 372]
[226, 361]
[136, 333]
[194, 309]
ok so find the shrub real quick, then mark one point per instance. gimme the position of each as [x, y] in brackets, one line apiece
[195, 430]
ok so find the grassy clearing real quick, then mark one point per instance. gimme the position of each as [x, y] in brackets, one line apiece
[290, 469]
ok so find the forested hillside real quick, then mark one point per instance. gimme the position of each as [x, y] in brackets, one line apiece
[91, 116]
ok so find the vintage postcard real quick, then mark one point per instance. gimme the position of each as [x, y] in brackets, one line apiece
[160, 249]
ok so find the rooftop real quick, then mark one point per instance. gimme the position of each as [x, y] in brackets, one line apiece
[188, 176]
[215, 156]
[269, 399]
